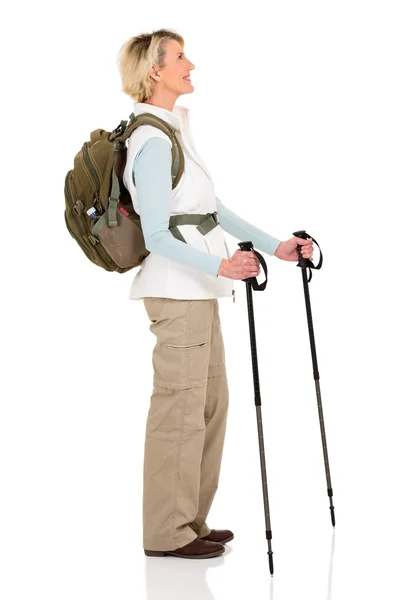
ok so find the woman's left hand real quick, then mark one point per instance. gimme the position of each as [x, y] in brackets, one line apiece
[288, 250]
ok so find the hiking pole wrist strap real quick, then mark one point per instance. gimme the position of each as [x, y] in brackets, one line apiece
[252, 280]
[305, 263]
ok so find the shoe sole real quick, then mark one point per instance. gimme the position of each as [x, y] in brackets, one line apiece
[228, 539]
[165, 552]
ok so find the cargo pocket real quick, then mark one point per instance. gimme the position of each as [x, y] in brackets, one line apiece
[182, 366]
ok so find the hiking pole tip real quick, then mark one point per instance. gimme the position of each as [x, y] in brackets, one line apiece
[331, 508]
[271, 563]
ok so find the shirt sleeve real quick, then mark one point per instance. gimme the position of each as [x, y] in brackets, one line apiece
[241, 229]
[151, 174]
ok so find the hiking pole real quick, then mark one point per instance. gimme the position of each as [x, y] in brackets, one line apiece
[252, 282]
[305, 264]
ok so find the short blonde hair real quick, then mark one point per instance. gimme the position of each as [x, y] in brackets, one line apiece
[137, 57]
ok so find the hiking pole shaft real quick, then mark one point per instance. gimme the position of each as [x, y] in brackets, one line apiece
[257, 400]
[304, 264]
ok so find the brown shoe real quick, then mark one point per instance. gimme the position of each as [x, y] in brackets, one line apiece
[198, 548]
[222, 536]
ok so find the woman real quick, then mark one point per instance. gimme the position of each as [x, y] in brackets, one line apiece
[180, 283]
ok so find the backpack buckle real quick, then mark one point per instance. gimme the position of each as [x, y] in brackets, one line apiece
[118, 130]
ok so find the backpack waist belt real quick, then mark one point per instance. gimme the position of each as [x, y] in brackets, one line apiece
[205, 223]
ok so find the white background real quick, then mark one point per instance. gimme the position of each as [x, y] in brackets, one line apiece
[296, 114]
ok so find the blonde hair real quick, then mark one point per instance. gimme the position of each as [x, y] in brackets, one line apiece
[137, 57]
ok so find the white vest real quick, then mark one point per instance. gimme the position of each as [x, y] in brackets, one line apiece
[159, 276]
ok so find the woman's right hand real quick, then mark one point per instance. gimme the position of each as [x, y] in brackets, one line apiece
[243, 264]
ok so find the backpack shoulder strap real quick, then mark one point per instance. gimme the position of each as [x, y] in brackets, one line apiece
[124, 130]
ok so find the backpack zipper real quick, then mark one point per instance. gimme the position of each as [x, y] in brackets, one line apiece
[90, 168]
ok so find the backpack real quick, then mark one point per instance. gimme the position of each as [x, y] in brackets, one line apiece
[115, 240]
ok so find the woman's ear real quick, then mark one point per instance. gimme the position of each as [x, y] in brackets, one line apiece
[155, 74]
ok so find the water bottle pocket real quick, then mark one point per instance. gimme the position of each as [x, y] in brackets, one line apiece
[124, 243]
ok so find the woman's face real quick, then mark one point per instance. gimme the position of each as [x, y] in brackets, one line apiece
[177, 67]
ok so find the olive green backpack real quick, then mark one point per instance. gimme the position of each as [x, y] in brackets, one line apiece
[115, 242]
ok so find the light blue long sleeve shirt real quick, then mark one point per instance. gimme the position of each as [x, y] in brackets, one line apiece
[154, 199]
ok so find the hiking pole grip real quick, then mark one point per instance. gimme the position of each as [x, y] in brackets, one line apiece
[305, 263]
[248, 246]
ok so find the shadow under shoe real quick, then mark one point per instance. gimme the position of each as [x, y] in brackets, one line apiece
[197, 548]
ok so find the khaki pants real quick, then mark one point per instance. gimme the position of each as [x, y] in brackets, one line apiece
[186, 422]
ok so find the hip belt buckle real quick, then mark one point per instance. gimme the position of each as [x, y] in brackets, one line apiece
[209, 223]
